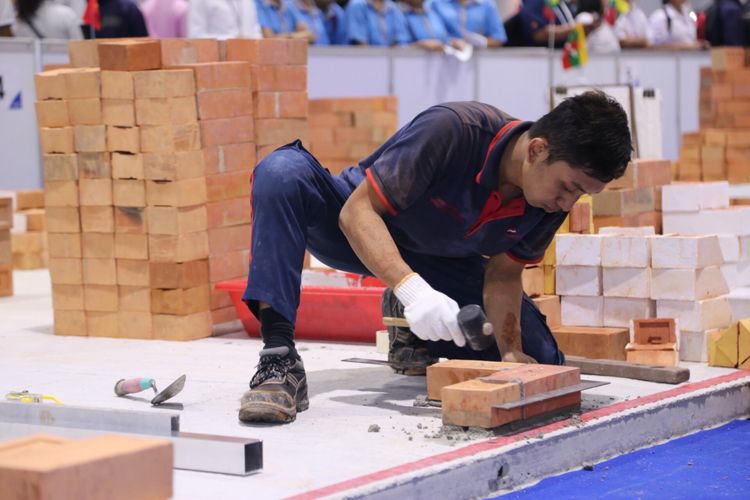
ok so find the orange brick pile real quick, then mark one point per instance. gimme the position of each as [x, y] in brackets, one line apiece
[6, 257]
[29, 243]
[147, 171]
[635, 199]
[344, 131]
[721, 149]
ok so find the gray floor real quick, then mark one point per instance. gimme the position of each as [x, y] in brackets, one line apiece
[327, 444]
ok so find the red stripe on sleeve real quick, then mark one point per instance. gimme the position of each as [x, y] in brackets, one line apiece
[379, 192]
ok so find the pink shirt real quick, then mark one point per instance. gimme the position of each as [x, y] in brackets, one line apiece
[165, 18]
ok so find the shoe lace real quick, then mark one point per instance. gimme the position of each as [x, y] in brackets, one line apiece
[271, 367]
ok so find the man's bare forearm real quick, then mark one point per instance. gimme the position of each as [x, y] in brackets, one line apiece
[502, 303]
[368, 235]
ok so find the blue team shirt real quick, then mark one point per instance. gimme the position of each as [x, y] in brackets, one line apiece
[367, 25]
[315, 21]
[439, 177]
[534, 16]
[279, 20]
[477, 16]
[425, 25]
[335, 23]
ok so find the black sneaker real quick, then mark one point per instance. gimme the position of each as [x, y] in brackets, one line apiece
[407, 353]
[278, 390]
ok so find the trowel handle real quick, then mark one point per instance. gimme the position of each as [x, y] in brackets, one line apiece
[133, 385]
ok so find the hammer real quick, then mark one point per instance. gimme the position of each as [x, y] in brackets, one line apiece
[472, 321]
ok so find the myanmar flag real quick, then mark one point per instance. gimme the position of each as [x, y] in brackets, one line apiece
[549, 6]
[574, 50]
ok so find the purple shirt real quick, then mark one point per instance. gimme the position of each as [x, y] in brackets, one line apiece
[166, 18]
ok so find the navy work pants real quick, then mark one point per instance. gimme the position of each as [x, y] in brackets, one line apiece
[296, 205]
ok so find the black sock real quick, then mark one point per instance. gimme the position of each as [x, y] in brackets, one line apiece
[276, 331]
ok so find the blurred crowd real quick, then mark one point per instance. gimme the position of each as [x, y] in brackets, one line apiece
[609, 25]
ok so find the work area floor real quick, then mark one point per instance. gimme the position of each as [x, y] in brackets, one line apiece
[334, 441]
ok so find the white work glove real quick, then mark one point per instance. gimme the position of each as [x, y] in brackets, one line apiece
[431, 314]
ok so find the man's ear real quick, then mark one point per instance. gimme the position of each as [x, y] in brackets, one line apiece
[538, 150]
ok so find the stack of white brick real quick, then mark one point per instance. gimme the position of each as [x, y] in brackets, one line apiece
[687, 284]
[703, 208]
[611, 279]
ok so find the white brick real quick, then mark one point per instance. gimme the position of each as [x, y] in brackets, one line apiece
[628, 231]
[693, 346]
[688, 284]
[634, 282]
[731, 275]
[734, 220]
[715, 194]
[578, 249]
[578, 280]
[681, 197]
[626, 251]
[581, 311]
[697, 315]
[620, 311]
[20, 223]
[685, 252]
[730, 247]
[694, 196]
[743, 274]
[744, 248]
[739, 301]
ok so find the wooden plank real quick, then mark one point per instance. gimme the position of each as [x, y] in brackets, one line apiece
[611, 368]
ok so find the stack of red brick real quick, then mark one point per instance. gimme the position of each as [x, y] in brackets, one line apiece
[150, 193]
[6, 257]
[344, 131]
[721, 149]
[634, 199]
[29, 237]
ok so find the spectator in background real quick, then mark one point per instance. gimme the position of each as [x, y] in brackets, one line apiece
[334, 21]
[673, 26]
[601, 39]
[476, 21]
[539, 20]
[315, 20]
[223, 19]
[725, 25]
[376, 22]
[425, 26]
[633, 29]
[121, 19]
[166, 18]
[281, 18]
[7, 17]
[46, 19]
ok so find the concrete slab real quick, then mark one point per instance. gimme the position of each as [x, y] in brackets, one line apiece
[328, 450]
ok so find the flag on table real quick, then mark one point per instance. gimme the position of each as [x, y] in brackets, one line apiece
[91, 16]
[574, 50]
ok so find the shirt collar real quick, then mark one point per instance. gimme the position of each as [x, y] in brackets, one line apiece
[489, 175]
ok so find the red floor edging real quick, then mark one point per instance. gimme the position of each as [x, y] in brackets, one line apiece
[499, 442]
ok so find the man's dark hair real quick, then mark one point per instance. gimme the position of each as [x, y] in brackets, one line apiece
[589, 132]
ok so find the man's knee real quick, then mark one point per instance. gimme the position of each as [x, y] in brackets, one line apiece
[280, 173]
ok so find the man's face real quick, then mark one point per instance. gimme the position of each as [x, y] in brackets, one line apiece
[557, 186]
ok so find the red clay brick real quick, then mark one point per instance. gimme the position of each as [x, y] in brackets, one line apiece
[129, 55]
[230, 265]
[267, 52]
[225, 103]
[228, 239]
[228, 158]
[227, 131]
[221, 75]
[275, 131]
[231, 212]
[180, 51]
[228, 186]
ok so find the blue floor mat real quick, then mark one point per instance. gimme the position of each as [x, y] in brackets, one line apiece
[709, 464]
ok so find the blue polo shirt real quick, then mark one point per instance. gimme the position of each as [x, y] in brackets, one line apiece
[535, 14]
[383, 28]
[315, 21]
[477, 16]
[425, 25]
[283, 19]
[439, 177]
[335, 23]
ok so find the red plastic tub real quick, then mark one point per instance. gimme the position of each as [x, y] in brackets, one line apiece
[334, 306]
